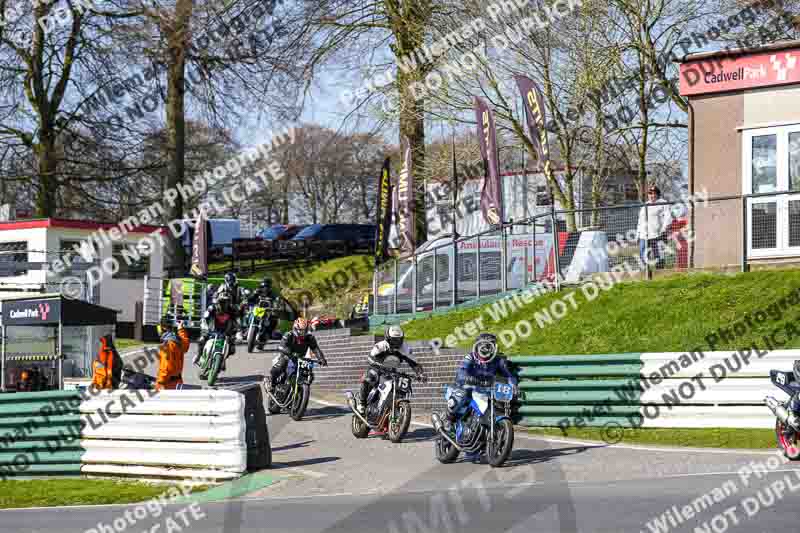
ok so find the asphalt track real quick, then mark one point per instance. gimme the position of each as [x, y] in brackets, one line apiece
[328, 481]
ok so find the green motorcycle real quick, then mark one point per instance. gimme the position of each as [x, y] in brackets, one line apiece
[214, 352]
[260, 316]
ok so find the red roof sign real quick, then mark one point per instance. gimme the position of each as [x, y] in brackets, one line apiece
[720, 74]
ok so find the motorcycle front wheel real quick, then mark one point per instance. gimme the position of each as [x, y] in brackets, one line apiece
[789, 446]
[213, 372]
[251, 338]
[300, 402]
[399, 426]
[500, 450]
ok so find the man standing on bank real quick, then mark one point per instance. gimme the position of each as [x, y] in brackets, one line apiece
[654, 222]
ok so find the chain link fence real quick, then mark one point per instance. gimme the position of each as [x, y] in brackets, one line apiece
[571, 246]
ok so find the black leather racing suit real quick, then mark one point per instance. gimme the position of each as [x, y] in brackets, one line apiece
[293, 346]
[377, 357]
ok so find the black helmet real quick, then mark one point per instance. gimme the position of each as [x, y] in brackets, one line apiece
[266, 283]
[230, 279]
[485, 347]
[394, 336]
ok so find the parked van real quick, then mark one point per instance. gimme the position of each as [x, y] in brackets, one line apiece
[468, 259]
[220, 241]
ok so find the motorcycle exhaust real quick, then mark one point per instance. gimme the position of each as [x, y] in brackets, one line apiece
[439, 427]
[781, 413]
[351, 401]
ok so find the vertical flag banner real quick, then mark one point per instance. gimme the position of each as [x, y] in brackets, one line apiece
[199, 267]
[534, 110]
[405, 203]
[492, 193]
[454, 185]
[384, 214]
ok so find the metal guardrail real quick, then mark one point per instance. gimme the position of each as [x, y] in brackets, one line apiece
[36, 434]
[619, 389]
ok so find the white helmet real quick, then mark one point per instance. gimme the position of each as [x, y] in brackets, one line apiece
[394, 336]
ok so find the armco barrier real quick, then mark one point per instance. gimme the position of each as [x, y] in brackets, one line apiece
[650, 390]
[40, 434]
[181, 433]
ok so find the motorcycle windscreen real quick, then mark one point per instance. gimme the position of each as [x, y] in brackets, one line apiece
[290, 368]
[480, 400]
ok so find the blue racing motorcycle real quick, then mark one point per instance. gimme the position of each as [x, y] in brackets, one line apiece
[481, 425]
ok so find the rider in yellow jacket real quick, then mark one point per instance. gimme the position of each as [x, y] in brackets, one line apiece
[174, 345]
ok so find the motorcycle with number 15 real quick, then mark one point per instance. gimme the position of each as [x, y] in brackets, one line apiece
[388, 408]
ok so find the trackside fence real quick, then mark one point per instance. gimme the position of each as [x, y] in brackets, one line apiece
[39, 434]
[650, 390]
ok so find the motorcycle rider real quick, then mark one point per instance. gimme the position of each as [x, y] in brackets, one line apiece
[265, 290]
[393, 344]
[478, 368]
[222, 306]
[294, 345]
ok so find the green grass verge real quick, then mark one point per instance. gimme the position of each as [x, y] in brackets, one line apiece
[335, 285]
[127, 344]
[54, 492]
[751, 439]
[673, 314]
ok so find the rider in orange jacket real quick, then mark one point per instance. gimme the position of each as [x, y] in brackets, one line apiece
[174, 346]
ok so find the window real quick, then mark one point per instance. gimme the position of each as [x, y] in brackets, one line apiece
[772, 165]
[9, 260]
[132, 262]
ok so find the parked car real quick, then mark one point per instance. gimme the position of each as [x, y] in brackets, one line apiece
[273, 235]
[329, 240]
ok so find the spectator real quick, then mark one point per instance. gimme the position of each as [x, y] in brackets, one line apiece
[654, 221]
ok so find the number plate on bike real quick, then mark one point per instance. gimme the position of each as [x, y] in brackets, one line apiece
[403, 383]
[503, 392]
[258, 312]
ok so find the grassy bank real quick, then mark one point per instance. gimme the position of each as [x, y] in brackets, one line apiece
[671, 314]
[54, 492]
[333, 285]
[752, 439]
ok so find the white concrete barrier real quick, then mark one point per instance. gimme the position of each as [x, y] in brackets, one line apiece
[715, 389]
[169, 434]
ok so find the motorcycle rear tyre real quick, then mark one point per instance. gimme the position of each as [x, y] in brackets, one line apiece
[360, 429]
[792, 454]
[445, 452]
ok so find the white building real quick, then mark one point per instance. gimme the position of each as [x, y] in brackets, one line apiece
[39, 256]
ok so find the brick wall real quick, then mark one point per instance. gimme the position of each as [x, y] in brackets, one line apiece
[347, 361]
